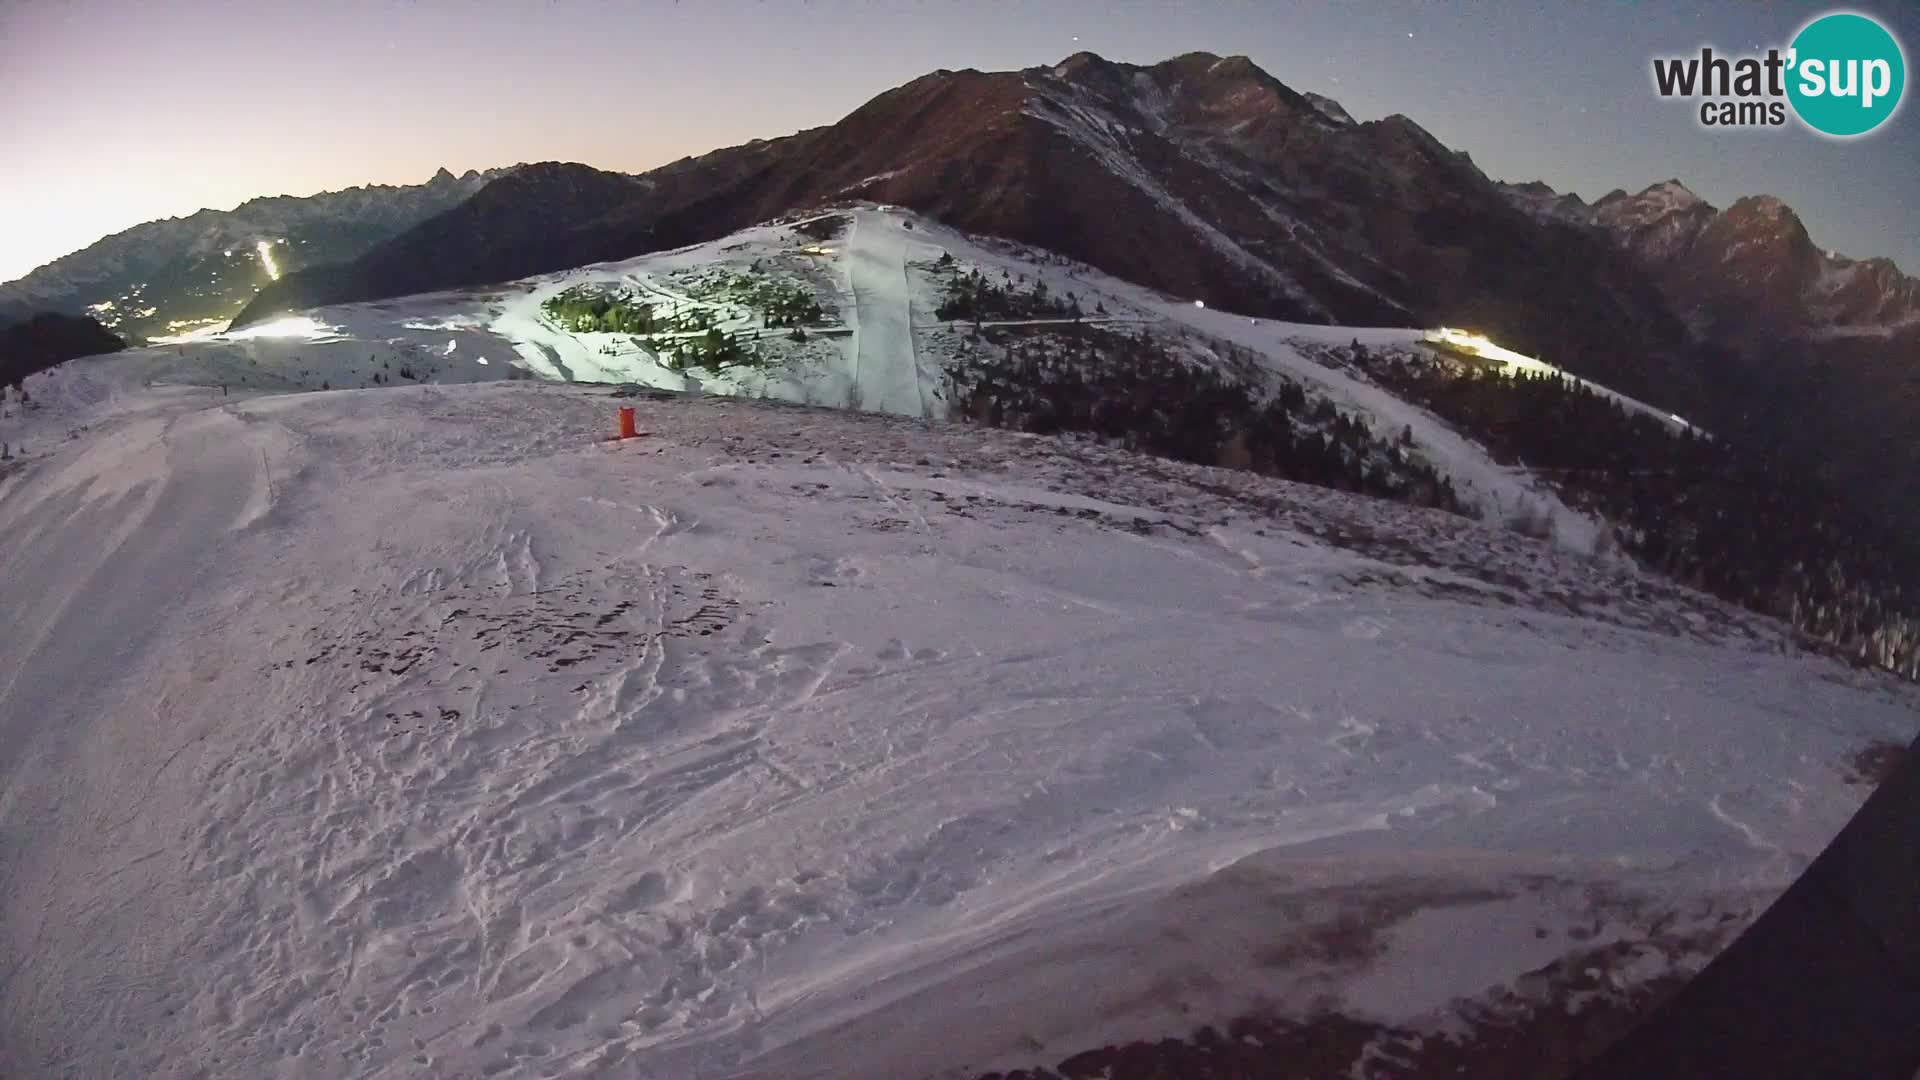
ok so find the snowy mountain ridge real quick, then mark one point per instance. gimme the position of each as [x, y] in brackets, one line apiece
[880, 344]
[1204, 177]
[1201, 176]
[875, 308]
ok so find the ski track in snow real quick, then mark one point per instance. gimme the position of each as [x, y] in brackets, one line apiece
[414, 731]
[886, 364]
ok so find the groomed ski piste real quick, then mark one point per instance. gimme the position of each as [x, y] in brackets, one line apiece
[420, 731]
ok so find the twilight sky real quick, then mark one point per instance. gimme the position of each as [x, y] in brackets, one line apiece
[122, 111]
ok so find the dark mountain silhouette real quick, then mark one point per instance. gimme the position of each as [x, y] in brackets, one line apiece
[48, 339]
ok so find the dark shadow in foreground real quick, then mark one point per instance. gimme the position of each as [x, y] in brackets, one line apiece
[1825, 984]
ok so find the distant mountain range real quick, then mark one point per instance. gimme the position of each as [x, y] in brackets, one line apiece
[166, 277]
[1811, 352]
[1750, 270]
[1203, 177]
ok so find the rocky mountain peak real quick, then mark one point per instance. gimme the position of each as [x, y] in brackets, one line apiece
[1766, 221]
[1406, 133]
[1672, 192]
[1767, 208]
[1331, 109]
[1652, 203]
[1233, 83]
[1752, 266]
[1236, 67]
[1083, 63]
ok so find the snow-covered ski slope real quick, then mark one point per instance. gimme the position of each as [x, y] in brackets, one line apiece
[1479, 346]
[874, 282]
[886, 363]
[414, 732]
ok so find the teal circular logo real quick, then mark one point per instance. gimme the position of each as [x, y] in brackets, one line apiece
[1846, 74]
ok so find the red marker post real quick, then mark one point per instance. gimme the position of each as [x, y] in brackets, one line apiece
[627, 430]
